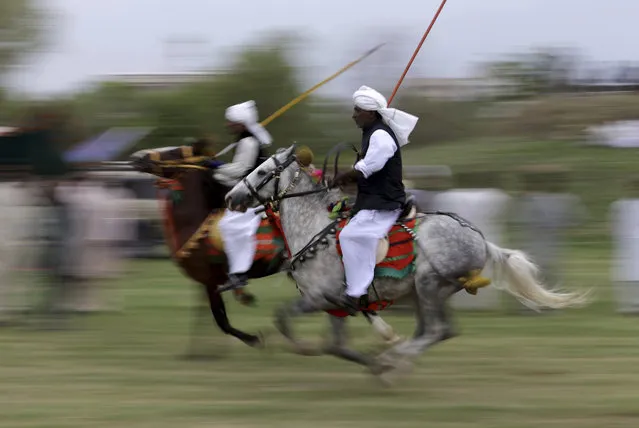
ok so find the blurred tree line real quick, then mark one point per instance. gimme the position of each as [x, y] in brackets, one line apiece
[24, 30]
[537, 101]
[262, 73]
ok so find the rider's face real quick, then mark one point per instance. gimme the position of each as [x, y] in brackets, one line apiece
[363, 118]
[235, 128]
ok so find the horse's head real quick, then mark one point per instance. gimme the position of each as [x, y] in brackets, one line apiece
[268, 180]
[188, 165]
[167, 162]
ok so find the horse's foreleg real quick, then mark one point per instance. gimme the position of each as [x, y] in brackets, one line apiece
[218, 309]
[337, 347]
[382, 328]
[283, 317]
[199, 315]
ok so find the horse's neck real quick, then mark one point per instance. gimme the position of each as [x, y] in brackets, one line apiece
[303, 217]
[186, 215]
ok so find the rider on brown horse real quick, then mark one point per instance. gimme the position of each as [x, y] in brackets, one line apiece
[238, 229]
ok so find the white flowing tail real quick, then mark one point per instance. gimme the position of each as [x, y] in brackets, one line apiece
[516, 274]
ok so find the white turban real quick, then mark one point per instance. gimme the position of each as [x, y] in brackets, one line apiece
[399, 121]
[246, 114]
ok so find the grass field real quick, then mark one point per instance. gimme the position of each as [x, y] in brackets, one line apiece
[571, 369]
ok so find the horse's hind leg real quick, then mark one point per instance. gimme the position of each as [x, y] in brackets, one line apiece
[218, 309]
[433, 321]
[199, 312]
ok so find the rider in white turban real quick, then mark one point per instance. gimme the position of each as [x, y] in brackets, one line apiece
[380, 190]
[238, 229]
[400, 122]
[246, 114]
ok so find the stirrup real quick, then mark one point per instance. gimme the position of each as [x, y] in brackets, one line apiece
[241, 281]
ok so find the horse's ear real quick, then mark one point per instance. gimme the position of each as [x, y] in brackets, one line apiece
[304, 156]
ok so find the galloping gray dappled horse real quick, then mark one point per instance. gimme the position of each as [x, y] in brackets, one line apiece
[447, 249]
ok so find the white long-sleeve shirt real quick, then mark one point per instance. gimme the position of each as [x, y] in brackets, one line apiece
[381, 147]
[246, 152]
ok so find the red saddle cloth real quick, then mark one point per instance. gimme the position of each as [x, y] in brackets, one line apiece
[398, 263]
[270, 243]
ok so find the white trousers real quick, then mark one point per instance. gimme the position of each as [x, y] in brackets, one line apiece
[238, 232]
[359, 241]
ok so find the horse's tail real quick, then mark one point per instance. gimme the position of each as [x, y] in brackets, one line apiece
[516, 274]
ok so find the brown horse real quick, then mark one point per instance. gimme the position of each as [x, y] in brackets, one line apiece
[194, 204]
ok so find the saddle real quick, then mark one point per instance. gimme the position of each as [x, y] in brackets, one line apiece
[409, 212]
[270, 241]
[213, 228]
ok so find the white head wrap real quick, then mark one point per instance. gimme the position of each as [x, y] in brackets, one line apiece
[399, 121]
[246, 114]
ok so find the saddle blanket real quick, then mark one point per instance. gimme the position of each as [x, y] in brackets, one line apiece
[398, 262]
[400, 258]
[270, 241]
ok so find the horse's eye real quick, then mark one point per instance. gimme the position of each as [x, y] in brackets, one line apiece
[261, 172]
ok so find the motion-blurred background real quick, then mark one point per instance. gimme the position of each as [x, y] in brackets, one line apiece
[529, 127]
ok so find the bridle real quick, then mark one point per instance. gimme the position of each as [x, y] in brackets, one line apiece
[337, 149]
[278, 196]
[272, 203]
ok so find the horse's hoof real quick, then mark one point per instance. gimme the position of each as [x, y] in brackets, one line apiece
[404, 367]
[379, 367]
[385, 380]
[246, 299]
[255, 341]
[386, 359]
[388, 373]
[307, 350]
[379, 371]
[449, 334]
[266, 345]
[394, 341]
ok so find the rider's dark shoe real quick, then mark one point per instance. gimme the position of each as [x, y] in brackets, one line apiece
[348, 303]
[235, 281]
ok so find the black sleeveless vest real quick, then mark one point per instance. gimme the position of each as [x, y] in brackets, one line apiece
[384, 190]
[262, 154]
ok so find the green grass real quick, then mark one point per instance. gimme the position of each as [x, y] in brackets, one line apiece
[570, 369]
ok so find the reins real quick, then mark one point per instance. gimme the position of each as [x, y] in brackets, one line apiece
[268, 205]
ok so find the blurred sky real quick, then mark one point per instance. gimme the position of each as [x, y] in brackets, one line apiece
[98, 37]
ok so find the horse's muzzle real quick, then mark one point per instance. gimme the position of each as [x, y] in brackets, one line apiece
[235, 202]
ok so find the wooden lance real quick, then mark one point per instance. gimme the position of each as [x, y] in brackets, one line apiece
[419, 46]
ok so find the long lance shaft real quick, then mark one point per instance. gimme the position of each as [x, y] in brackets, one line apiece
[320, 84]
[419, 46]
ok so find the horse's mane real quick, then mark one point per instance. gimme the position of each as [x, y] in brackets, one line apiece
[329, 197]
